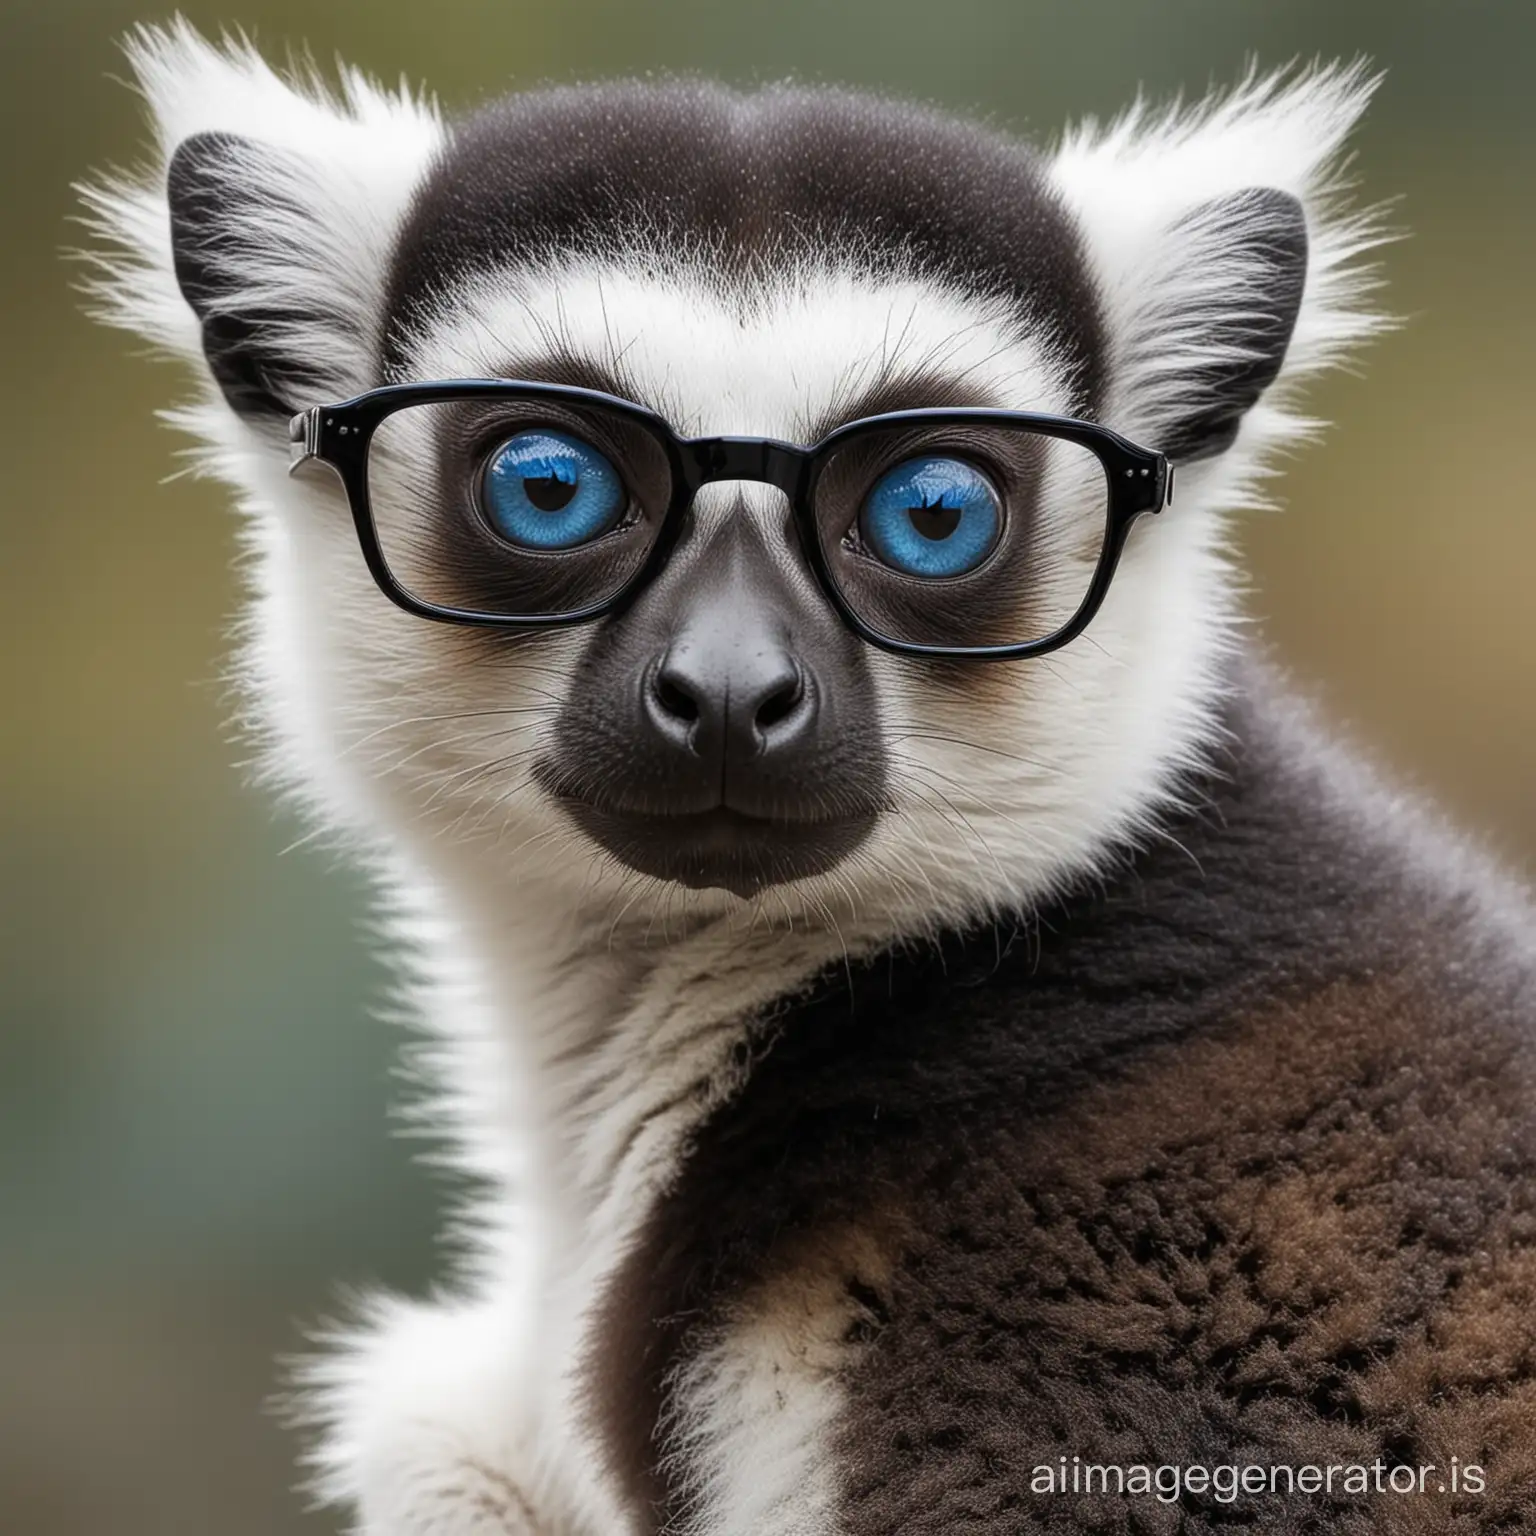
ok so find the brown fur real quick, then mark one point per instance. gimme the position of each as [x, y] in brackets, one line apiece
[1309, 1242]
[1230, 1159]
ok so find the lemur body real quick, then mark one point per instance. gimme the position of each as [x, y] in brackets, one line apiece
[1098, 1065]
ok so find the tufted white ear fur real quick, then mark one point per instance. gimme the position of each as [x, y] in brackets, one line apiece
[1141, 188]
[325, 181]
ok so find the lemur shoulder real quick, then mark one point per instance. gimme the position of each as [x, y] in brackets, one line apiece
[879, 1073]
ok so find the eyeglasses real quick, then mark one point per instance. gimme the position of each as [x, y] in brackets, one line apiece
[967, 533]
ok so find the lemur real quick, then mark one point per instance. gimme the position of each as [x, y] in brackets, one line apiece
[916, 1004]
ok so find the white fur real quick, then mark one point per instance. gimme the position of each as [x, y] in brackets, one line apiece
[1133, 186]
[758, 1405]
[339, 169]
[569, 1005]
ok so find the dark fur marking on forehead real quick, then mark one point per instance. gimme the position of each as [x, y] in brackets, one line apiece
[756, 181]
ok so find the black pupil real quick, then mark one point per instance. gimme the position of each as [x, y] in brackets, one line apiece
[548, 493]
[936, 521]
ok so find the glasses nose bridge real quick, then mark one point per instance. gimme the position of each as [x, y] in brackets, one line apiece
[763, 459]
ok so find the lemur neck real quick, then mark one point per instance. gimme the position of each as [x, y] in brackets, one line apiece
[562, 1033]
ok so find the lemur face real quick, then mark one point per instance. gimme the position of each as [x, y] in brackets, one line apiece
[773, 264]
[774, 268]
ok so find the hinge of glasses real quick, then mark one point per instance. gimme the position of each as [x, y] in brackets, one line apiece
[303, 437]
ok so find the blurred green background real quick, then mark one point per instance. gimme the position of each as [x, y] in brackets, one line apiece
[194, 1149]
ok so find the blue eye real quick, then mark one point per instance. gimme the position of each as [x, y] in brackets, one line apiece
[545, 490]
[932, 517]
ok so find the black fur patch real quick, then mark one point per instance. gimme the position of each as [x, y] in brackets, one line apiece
[1187, 1159]
[1267, 234]
[755, 181]
[208, 178]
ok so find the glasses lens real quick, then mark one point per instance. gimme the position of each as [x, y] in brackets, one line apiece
[519, 508]
[965, 534]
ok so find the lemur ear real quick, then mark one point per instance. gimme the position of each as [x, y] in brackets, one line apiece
[1225, 257]
[1242, 326]
[258, 239]
[224, 200]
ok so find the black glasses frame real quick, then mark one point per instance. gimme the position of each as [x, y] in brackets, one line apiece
[1139, 480]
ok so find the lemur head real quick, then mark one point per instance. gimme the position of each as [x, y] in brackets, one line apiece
[770, 265]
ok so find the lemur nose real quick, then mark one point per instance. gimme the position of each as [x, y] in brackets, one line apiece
[730, 702]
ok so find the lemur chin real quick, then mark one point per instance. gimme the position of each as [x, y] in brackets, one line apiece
[914, 1000]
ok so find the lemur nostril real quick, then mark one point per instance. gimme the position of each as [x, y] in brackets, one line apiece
[677, 701]
[781, 703]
